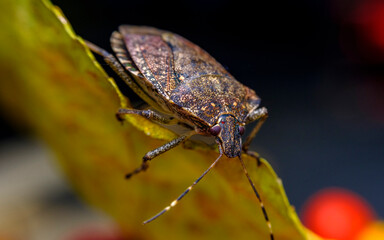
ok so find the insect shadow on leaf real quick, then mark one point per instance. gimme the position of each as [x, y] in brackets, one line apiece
[184, 85]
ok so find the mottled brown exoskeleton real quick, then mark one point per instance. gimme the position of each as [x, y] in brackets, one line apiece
[184, 85]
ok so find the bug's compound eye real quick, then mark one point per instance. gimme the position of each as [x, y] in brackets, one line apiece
[241, 130]
[215, 130]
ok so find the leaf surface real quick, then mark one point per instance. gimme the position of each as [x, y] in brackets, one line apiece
[52, 85]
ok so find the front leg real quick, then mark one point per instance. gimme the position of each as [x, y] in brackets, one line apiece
[260, 114]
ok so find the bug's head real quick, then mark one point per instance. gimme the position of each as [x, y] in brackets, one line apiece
[228, 131]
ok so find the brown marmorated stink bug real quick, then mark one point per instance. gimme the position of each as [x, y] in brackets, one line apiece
[184, 85]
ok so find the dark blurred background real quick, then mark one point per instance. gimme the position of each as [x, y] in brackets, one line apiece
[317, 65]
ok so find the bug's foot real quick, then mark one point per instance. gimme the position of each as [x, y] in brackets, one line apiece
[142, 168]
[120, 118]
[254, 155]
[128, 176]
[258, 161]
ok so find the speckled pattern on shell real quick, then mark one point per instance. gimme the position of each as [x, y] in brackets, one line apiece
[185, 79]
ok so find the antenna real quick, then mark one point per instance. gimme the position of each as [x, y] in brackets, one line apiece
[166, 209]
[258, 198]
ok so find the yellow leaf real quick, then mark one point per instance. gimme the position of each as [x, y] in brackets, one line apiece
[52, 84]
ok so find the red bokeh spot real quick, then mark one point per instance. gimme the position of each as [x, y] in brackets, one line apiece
[337, 213]
[361, 30]
[370, 18]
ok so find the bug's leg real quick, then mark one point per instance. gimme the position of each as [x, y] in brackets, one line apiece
[110, 60]
[156, 117]
[260, 114]
[149, 114]
[154, 153]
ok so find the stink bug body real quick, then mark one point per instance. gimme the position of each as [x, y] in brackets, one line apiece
[184, 85]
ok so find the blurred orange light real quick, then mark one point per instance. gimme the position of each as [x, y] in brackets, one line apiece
[373, 231]
[337, 213]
